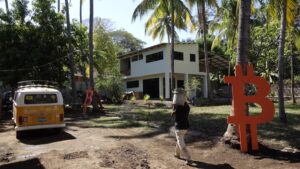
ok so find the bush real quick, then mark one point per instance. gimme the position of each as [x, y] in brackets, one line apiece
[112, 87]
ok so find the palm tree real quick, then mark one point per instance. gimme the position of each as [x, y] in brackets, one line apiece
[242, 50]
[159, 23]
[286, 9]
[81, 65]
[175, 10]
[70, 51]
[58, 5]
[6, 6]
[297, 45]
[225, 24]
[91, 45]
[200, 4]
[282, 115]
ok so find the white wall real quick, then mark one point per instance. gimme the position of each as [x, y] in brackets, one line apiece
[185, 66]
[141, 68]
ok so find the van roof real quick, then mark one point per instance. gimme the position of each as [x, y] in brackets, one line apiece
[37, 89]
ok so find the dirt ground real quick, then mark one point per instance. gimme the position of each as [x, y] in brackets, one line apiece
[85, 147]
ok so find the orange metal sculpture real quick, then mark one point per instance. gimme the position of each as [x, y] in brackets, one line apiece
[88, 99]
[240, 99]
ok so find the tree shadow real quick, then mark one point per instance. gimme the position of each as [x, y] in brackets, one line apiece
[203, 165]
[39, 137]
[28, 164]
[266, 152]
[6, 123]
[281, 132]
[140, 136]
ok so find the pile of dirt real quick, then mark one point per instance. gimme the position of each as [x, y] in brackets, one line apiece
[126, 156]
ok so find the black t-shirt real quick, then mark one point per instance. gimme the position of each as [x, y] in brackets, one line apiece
[181, 116]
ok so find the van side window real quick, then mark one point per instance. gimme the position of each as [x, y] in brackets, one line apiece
[40, 98]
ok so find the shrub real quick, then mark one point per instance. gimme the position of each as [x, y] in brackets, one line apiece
[112, 87]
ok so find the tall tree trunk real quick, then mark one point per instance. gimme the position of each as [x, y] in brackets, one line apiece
[91, 46]
[172, 45]
[70, 52]
[6, 6]
[201, 16]
[81, 65]
[58, 5]
[91, 56]
[242, 55]
[292, 79]
[282, 115]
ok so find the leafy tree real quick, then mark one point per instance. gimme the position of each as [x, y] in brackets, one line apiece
[24, 40]
[105, 57]
[125, 41]
[112, 86]
[70, 51]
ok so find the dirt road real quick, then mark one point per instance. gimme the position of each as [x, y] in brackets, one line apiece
[121, 148]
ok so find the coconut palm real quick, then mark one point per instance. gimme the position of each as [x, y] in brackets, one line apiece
[164, 13]
[159, 24]
[6, 6]
[242, 50]
[285, 8]
[58, 5]
[70, 51]
[91, 45]
[83, 58]
[225, 24]
[201, 5]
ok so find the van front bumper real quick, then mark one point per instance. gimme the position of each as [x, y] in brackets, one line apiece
[36, 127]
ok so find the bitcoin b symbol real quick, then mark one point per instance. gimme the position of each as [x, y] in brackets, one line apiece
[240, 100]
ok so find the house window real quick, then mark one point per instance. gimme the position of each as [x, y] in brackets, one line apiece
[180, 84]
[132, 84]
[192, 57]
[141, 57]
[134, 58]
[178, 55]
[154, 57]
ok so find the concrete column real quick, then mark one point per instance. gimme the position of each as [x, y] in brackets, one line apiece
[167, 83]
[141, 88]
[186, 78]
[161, 86]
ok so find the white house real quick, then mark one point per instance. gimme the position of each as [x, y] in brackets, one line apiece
[148, 71]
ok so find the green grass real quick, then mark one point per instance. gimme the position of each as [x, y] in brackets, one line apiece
[210, 120]
[113, 122]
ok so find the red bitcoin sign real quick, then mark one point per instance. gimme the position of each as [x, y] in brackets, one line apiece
[88, 99]
[240, 100]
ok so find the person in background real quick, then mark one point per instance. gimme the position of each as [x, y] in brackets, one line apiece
[181, 113]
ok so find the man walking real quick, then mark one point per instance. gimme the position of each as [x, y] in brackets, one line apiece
[181, 113]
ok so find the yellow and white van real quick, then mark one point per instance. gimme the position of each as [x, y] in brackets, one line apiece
[37, 107]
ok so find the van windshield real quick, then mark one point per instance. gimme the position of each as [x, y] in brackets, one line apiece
[40, 98]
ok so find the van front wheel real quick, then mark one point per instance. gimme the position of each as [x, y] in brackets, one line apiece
[19, 135]
[58, 130]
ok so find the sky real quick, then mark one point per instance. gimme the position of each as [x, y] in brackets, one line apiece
[119, 12]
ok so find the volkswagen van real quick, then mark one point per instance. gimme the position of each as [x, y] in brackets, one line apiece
[37, 106]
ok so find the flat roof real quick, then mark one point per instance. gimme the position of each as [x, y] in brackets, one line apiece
[151, 47]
